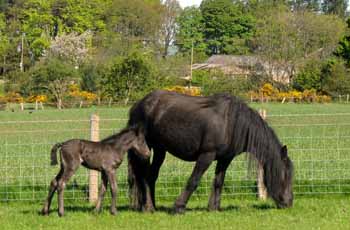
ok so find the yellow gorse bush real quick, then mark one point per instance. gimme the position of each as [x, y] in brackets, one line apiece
[39, 98]
[75, 92]
[268, 93]
[193, 91]
[14, 97]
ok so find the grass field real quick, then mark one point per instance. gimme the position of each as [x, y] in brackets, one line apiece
[317, 136]
[307, 213]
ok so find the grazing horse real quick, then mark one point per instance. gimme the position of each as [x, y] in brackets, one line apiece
[104, 156]
[204, 129]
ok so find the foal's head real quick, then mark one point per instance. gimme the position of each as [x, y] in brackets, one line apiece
[132, 139]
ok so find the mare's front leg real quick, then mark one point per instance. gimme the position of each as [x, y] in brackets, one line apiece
[103, 189]
[203, 162]
[158, 159]
[220, 171]
[112, 182]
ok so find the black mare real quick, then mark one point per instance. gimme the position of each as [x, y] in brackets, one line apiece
[204, 129]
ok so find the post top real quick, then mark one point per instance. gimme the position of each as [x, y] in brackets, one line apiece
[94, 116]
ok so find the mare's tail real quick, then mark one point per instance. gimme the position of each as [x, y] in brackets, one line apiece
[54, 153]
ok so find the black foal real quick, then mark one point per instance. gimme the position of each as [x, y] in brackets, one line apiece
[104, 156]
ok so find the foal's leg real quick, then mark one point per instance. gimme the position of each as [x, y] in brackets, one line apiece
[220, 171]
[158, 159]
[102, 191]
[111, 180]
[202, 164]
[52, 190]
[67, 174]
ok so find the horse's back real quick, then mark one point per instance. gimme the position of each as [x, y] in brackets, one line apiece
[183, 125]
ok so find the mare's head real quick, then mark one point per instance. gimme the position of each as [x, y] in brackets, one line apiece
[279, 180]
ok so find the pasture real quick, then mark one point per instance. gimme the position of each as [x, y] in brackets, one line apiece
[317, 136]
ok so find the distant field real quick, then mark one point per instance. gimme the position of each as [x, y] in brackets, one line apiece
[317, 136]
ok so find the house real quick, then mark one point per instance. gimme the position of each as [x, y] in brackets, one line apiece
[244, 65]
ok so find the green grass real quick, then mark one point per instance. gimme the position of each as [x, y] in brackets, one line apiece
[307, 213]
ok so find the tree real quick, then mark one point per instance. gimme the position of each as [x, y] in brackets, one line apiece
[343, 49]
[309, 77]
[169, 27]
[129, 77]
[136, 21]
[36, 26]
[79, 16]
[72, 47]
[335, 78]
[53, 77]
[227, 26]
[285, 39]
[337, 7]
[308, 5]
[4, 42]
[191, 31]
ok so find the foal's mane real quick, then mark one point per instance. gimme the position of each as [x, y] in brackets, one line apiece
[113, 139]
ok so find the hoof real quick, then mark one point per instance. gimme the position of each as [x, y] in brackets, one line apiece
[113, 212]
[148, 209]
[97, 211]
[214, 209]
[60, 214]
[44, 212]
[179, 210]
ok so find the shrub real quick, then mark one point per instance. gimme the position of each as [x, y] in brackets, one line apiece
[193, 91]
[37, 98]
[336, 78]
[130, 77]
[212, 82]
[309, 77]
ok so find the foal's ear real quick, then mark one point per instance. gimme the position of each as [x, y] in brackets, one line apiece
[284, 152]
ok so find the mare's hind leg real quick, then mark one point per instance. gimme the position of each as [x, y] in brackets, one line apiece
[68, 172]
[52, 190]
[220, 171]
[158, 159]
[112, 182]
[102, 191]
[203, 162]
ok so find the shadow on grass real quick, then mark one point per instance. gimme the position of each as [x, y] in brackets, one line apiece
[170, 210]
[76, 209]
[125, 208]
[264, 206]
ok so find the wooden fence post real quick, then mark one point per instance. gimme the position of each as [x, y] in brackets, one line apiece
[262, 191]
[93, 174]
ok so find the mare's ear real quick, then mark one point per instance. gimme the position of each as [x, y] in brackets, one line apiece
[284, 152]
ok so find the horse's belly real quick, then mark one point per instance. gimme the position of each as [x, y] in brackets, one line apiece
[183, 148]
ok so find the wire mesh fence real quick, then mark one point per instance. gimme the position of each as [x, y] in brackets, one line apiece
[318, 145]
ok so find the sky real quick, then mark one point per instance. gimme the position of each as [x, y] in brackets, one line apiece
[185, 3]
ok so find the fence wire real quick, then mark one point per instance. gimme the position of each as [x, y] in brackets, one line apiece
[318, 144]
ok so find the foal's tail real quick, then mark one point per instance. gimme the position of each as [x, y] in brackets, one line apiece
[54, 153]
